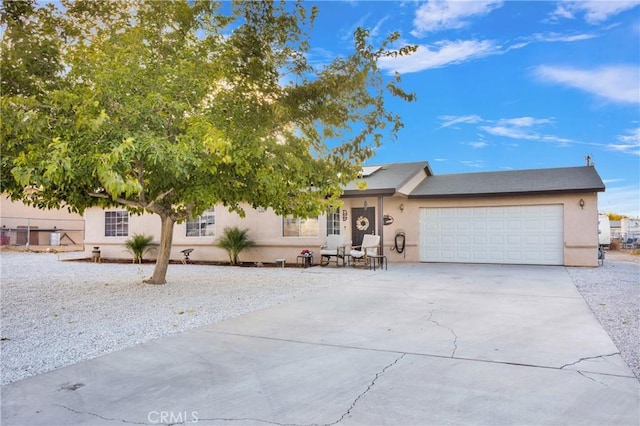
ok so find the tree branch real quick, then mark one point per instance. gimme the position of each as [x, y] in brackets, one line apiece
[119, 200]
[159, 198]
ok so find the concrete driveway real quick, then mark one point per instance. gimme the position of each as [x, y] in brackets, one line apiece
[418, 344]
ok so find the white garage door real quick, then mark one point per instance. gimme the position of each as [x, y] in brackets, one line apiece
[511, 234]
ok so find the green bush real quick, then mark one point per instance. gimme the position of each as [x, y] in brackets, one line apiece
[234, 240]
[138, 245]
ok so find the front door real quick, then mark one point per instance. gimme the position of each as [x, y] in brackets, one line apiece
[363, 221]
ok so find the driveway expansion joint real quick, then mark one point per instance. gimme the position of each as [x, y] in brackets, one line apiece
[423, 354]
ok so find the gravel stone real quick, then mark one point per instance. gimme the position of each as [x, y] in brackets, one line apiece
[57, 313]
[612, 291]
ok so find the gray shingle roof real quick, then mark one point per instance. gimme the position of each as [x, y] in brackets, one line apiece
[557, 180]
[387, 179]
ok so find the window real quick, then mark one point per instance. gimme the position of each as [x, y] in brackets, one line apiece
[333, 223]
[296, 227]
[203, 225]
[116, 223]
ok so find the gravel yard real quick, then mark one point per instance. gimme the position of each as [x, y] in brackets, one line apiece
[612, 291]
[57, 313]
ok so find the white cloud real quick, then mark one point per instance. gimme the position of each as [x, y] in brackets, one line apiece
[562, 12]
[629, 143]
[632, 137]
[452, 52]
[594, 11]
[524, 121]
[525, 128]
[476, 164]
[436, 15]
[319, 56]
[517, 128]
[347, 33]
[440, 54]
[510, 132]
[614, 83]
[376, 29]
[479, 144]
[564, 38]
[450, 120]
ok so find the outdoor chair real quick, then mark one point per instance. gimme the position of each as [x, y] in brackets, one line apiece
[334, 247]
[369, 247]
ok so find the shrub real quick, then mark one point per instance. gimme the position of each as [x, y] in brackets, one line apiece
[234, 240]
[138, 245]
[615, 244]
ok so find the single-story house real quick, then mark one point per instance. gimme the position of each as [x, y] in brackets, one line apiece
[540, 216]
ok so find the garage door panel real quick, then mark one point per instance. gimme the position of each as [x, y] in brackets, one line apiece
[480, 240]
[511, 234]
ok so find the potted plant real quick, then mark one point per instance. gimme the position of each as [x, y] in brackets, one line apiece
[308, 256]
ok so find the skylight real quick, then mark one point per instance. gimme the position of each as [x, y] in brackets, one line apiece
[369, 170]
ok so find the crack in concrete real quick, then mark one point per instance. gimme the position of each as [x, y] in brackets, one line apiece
[101, 417]
[592, 379]
[373, 382]
[431, 313]
[241, 419]
[587, 358]
[455, 336]
[342, 417]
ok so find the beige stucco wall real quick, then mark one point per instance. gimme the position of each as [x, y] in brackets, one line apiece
[14, 214]
[265, 227]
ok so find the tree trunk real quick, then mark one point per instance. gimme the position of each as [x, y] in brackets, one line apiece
[164, 251]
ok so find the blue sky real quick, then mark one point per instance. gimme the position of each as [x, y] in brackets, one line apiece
[509, 85]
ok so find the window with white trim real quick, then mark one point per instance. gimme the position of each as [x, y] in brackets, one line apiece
[203, 225]
[116, 223]
[333, 223]
[297, 227]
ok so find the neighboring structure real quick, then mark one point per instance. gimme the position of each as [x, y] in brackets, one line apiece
[542, 217]
[630, 230]
[604, 230]
[23, 225]
[616, 229]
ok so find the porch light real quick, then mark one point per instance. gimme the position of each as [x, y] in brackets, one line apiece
[581, 203]
[401, 207]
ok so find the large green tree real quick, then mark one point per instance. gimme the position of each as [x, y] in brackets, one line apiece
[172, 107]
